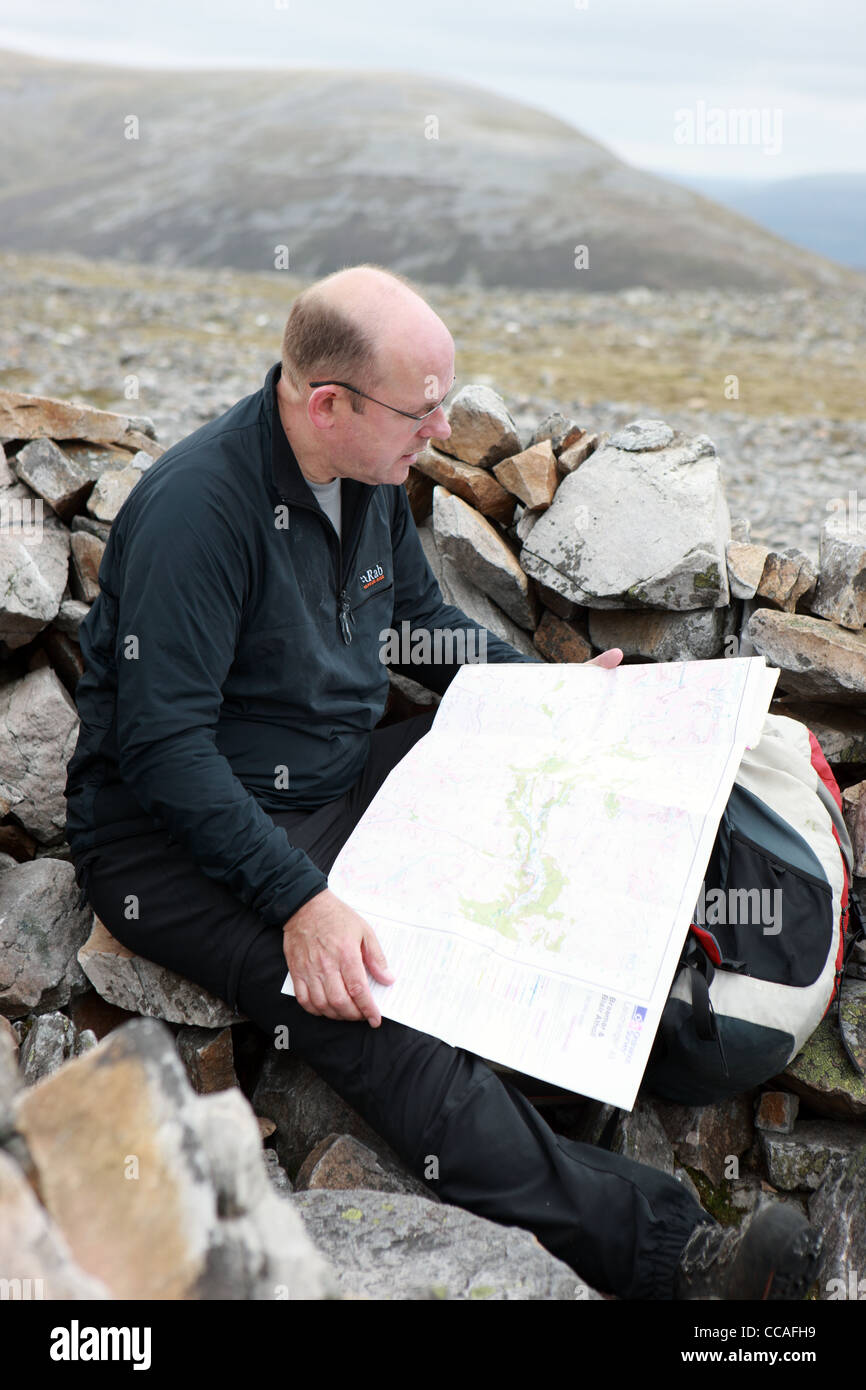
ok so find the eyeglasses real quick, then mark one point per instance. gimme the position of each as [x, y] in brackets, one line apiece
[407, 413]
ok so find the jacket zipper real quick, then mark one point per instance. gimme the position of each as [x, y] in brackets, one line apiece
[346, 616]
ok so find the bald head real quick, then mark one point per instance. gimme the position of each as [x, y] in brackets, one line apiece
[368, 326]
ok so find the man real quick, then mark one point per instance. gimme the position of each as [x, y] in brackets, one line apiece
[229, 743]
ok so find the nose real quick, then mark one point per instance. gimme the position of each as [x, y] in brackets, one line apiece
[436, 426]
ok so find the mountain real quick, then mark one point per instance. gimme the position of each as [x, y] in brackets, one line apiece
[338, 167]
[821, 212]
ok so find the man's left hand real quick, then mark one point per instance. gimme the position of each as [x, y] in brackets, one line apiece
[612, 657]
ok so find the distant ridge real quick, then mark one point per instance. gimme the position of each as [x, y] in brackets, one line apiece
[337, 167]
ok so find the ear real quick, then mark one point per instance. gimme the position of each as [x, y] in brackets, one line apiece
[321, 407]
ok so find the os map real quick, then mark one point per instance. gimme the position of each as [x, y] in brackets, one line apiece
[531, 866]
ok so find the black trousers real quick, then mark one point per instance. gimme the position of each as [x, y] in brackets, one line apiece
[619, 1224]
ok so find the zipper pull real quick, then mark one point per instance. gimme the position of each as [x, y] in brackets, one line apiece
[345, 616]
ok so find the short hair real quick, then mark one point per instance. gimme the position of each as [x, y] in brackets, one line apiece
[321, 342]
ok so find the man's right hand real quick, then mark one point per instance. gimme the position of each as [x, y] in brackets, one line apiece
[329, 948]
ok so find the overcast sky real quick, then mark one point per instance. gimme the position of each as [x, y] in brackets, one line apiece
[629, 73]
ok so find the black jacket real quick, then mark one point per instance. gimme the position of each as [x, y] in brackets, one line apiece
[232, 656]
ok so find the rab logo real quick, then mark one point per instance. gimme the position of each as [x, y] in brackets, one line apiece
[370, 577]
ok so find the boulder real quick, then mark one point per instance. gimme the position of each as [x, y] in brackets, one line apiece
[396, 1246]
[697, 635]
[821, 1073]
[160, 1193]
[482, 431]
[531, 475]
[306, 1110]
[40, 722]
[745, 566]
[480, 553]
[667, 512]
[87, 552]
[471, 600]
[706, 1137]
[787, 578]
[341, 1161]
[558, 640]
[837, 1211]
[51, 1040]
[35, 1259]
[41, 929]
[111, 491]
[467, 481]
[34, 562]
[803, 1159]
[818, 660]
[144, 987]
[841, 589]
[54, 476]
[45, 417]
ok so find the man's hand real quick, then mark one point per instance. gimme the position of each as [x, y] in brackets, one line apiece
[329, 948]
[612, 657]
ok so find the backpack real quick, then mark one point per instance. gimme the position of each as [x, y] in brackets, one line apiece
[769, 938]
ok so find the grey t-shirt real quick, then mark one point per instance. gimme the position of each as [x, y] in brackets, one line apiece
[328, 497]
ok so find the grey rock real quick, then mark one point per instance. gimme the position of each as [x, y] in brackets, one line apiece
[70, 616]
[802, 1160]
[745, 566]
[480, 553]
[202, 1221]
[641, 435]
[341, 1161]
[557, 428]
[111, 491]
[34, 560]
[10, 1077]
[841, 589]
[277, 1175]
[53, 476]
[51, 1040]
[817, 659]
[482, 431]
[838, 1210]
[87, 552]
[667, 511]
[395, 1246]
[697, 635]
[639, 1134]
[458, 589]
[841, 732]
[144, 987]
[707, 1137]
[306, 1110]
[41, 930]
[41, 725]
[30, 1242]
[90, 525]
[821, 1073]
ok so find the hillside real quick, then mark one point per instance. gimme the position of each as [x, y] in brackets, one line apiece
[337, 167]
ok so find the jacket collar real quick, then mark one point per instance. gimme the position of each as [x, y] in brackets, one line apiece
[286, 475]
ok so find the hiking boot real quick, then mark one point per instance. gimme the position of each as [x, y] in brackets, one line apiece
[772, 1255]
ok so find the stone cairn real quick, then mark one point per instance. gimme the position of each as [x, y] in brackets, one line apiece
[153, 1144]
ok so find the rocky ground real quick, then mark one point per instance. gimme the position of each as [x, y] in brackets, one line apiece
[326, 1208]
[190, 343]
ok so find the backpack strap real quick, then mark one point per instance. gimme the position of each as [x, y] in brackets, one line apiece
[701, 974]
